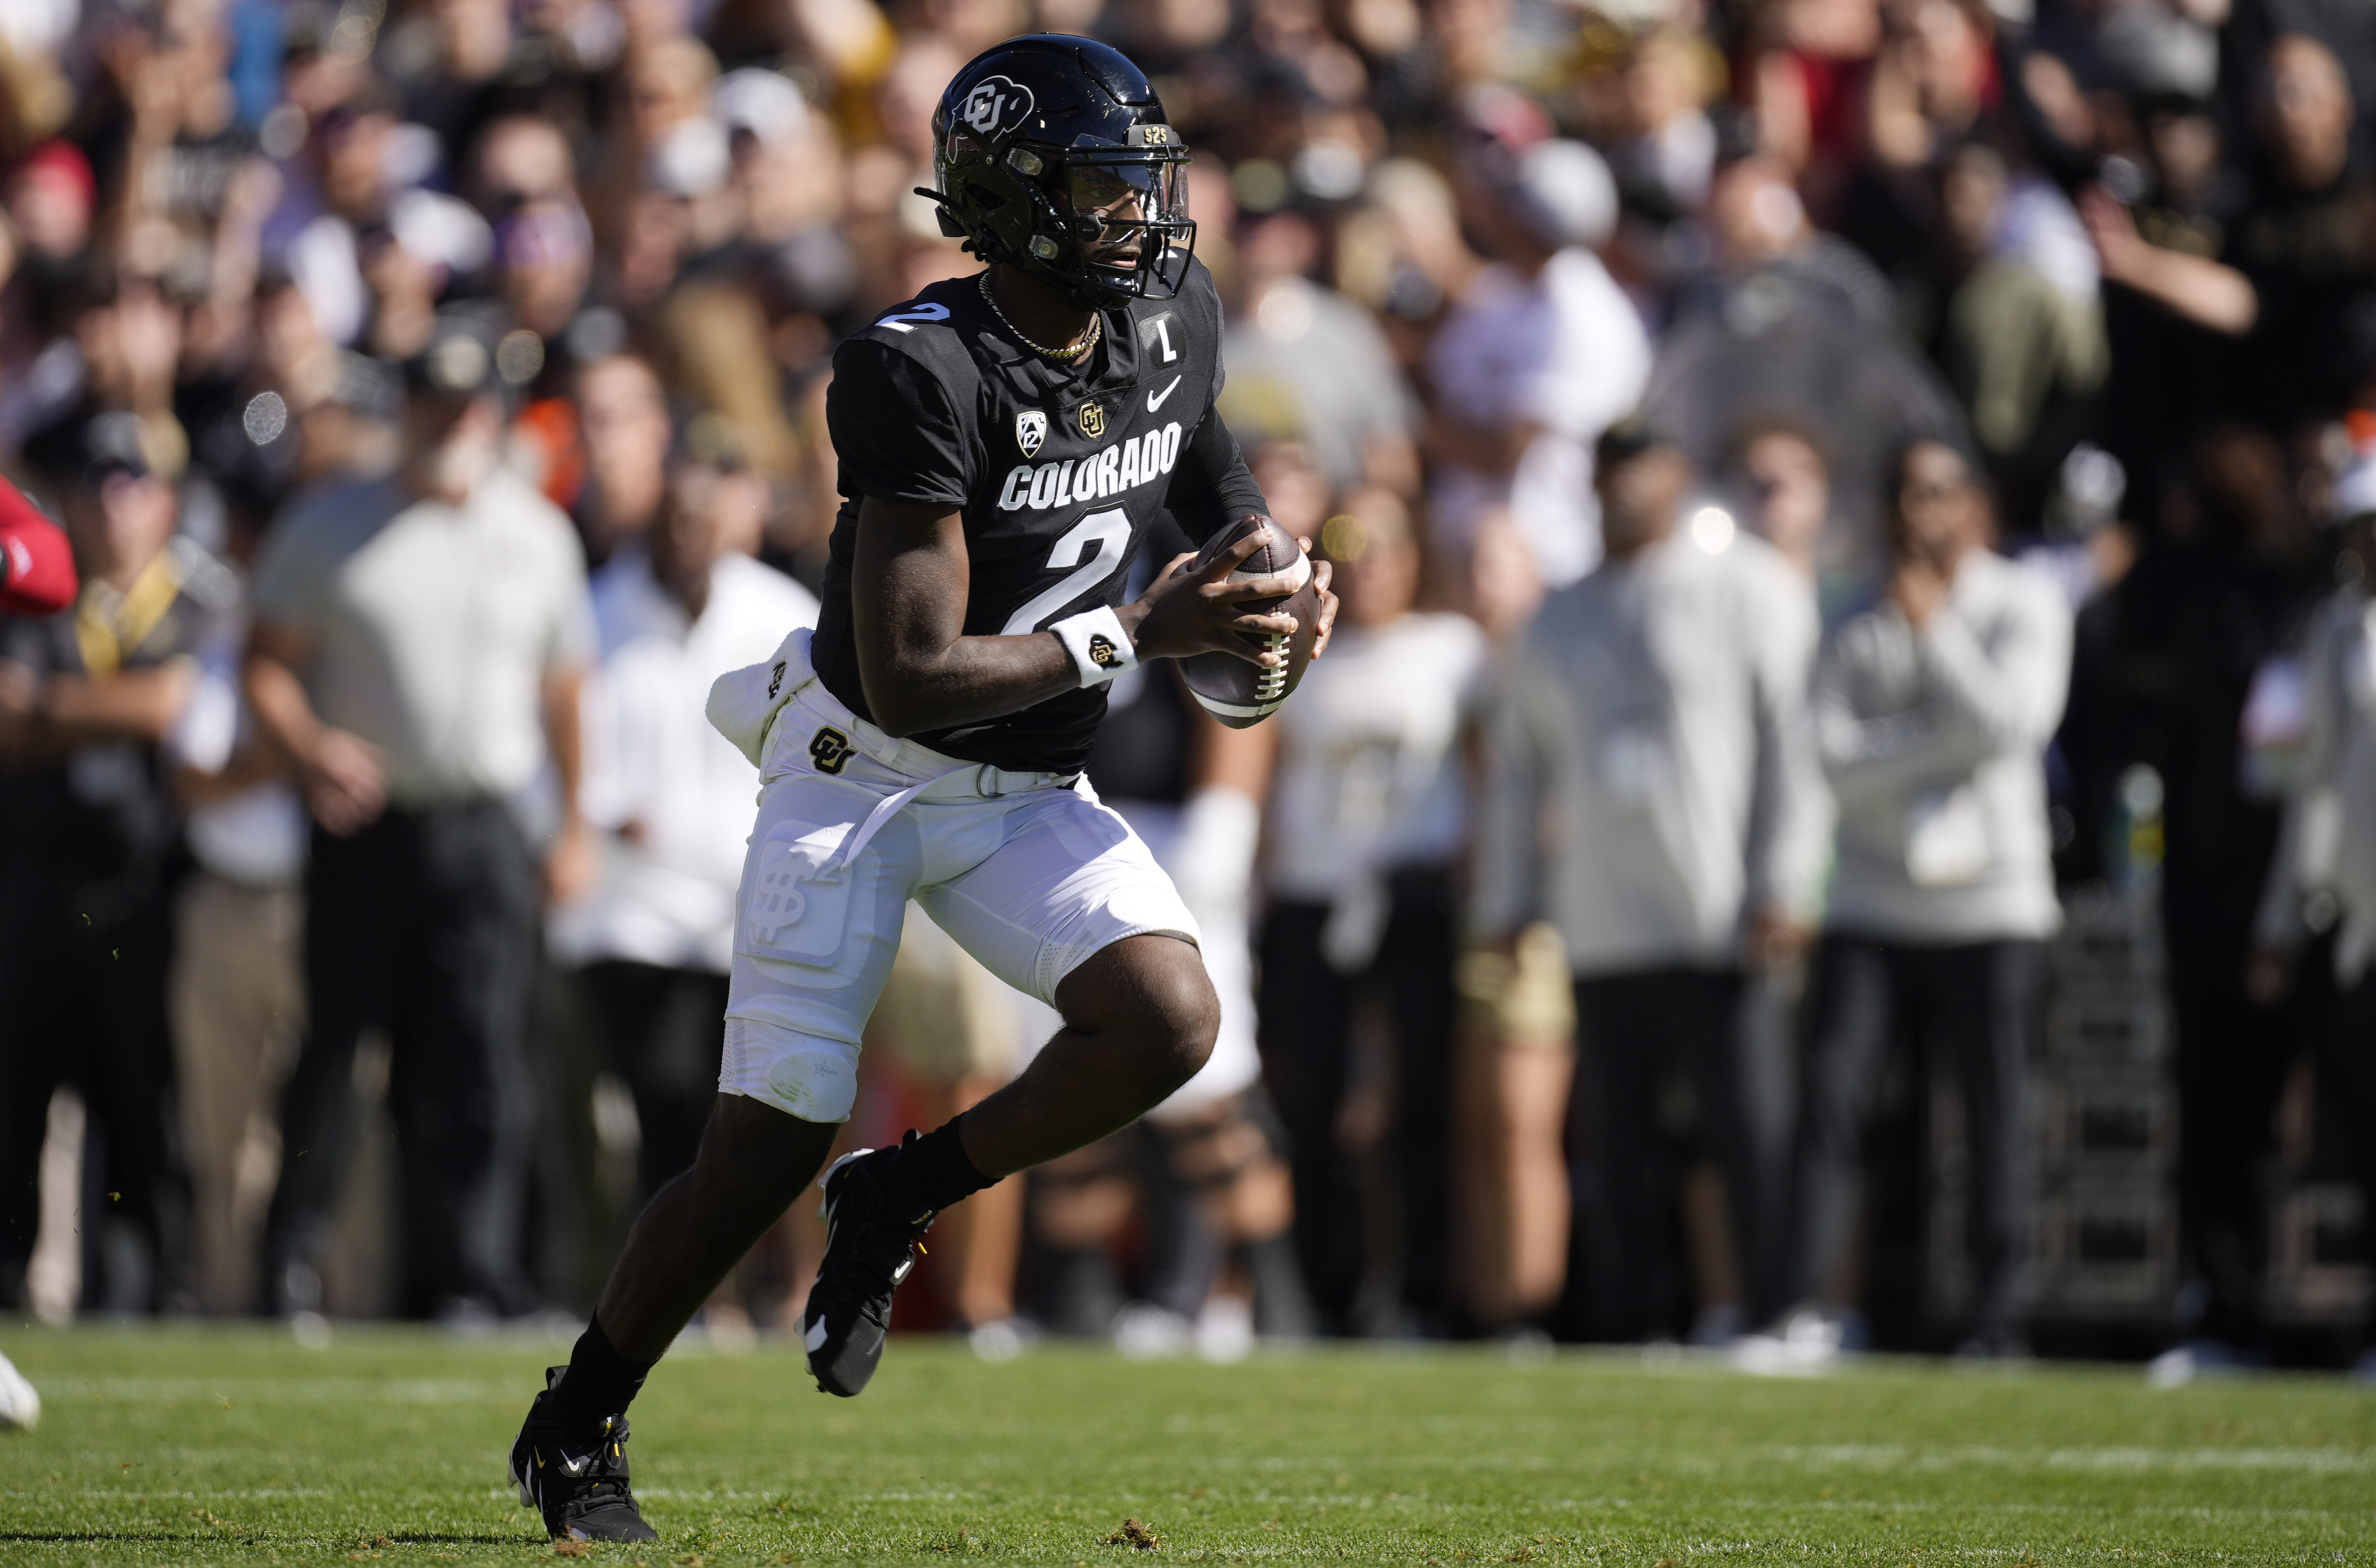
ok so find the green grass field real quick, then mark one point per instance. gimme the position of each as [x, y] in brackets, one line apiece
[182, 1446]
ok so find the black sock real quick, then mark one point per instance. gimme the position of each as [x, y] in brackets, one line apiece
[601, 1380]
[932, 1172]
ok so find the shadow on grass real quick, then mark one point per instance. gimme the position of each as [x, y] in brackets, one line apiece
[57, 1535]
[254, 1538]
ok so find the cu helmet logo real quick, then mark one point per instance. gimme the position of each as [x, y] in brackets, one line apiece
[995, 104]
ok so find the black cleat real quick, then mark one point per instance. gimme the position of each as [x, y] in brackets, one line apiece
[578, 1478]
[867, 1251]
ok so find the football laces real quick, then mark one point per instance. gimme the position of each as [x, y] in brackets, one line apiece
[1271, 684]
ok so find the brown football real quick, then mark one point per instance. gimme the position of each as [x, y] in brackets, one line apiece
[1236, 690]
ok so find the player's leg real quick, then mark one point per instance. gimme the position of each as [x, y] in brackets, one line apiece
[1074, 910]
[1139, 1020]
[1060, 901]
[814, 940]
[753, 1160]
[568, 1460]
[954, 1026]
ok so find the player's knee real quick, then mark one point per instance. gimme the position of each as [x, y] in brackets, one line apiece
[1182, 1016]
[1150, 999]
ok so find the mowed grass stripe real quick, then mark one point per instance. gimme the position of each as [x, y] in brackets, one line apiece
[194, 1445]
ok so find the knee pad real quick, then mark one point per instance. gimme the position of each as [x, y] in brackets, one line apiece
[802, 1076]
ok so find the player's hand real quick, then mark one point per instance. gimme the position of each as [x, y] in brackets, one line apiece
[345, 781]
[1323, 574]
[1186, 612]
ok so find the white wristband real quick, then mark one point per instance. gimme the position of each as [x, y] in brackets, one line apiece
[1101, 648]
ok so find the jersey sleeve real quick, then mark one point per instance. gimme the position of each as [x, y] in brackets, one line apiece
[1212, 484]
[895, 429]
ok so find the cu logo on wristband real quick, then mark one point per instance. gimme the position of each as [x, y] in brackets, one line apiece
[1103, 652]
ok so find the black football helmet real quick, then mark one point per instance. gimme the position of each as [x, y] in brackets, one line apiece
[1053, 156]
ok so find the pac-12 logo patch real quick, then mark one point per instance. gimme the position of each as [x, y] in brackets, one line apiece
[995, 105]
[1030, 430]
[1093, 419]
[1103, 652]
[830, 750]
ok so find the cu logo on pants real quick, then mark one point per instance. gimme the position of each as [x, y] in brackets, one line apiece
[830, 750]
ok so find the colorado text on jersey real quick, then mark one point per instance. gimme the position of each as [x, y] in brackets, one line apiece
[1109, 470]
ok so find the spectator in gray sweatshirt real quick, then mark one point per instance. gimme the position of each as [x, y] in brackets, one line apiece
[1932, 709]
[1653, 793]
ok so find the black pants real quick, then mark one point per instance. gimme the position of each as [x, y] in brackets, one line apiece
[1887, 1018]
[1307, 1015]
[1639, 1038]
[2347, 1081]
[423, 924]
[2233, 1057]
[82, 1004]
[662, 1031]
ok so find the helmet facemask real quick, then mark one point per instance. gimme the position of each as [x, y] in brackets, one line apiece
[1100, 223]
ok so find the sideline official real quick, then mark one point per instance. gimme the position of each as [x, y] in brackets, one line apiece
[416, 652]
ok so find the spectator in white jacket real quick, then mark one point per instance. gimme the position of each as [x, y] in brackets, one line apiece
[1932, 708]
[1658, 711]
[1542, 353]
[2323, 875]
[674, 801]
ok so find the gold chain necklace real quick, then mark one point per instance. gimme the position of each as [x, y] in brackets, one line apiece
[1096, 329]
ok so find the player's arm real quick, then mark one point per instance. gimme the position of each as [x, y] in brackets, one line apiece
[1212, 484]
[908, 577]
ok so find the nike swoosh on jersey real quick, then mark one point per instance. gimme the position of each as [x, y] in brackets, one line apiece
[1155, 400]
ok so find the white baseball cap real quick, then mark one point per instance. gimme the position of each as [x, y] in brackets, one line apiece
[1564, 191]
[2355, 489]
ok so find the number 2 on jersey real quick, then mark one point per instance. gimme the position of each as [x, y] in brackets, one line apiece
[1109, 531]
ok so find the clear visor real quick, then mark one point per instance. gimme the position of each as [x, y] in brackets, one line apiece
[1126, 197]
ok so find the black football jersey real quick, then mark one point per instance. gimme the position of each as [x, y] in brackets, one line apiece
[1057, 470]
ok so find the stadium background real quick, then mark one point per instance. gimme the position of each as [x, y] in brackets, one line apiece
[229, 220]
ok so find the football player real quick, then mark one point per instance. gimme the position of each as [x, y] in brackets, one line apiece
[1005, 439]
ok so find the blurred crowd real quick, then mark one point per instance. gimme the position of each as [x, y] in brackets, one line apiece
[1813, 484]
